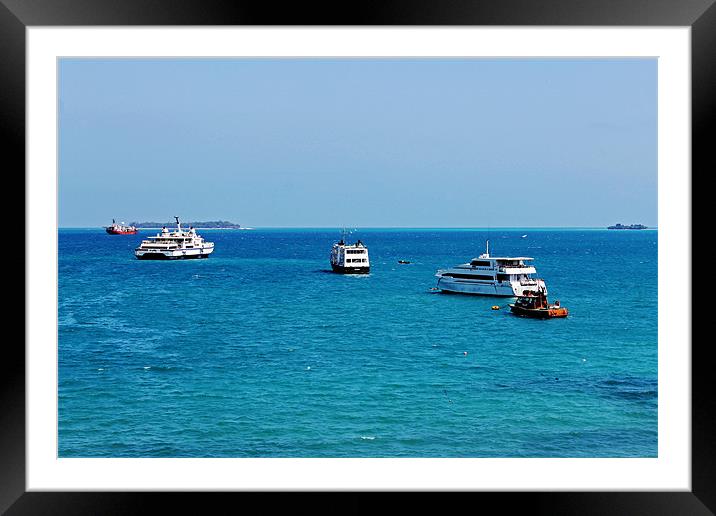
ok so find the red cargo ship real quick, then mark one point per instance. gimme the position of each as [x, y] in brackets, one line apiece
[120, 229]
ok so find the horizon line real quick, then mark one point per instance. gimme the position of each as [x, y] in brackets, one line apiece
[383, 227]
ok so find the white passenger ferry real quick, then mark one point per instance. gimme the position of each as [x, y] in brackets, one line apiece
[175, 245]
[350, 259]
[491, 276]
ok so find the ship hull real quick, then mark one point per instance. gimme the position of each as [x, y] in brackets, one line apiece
[159, 256]
[172, 255]
[465, 293]
[114, 232]
[350, 270]
[539, 313]
[452, 285]
[475, 289]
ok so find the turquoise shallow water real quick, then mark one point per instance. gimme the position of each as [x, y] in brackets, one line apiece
[258, 351]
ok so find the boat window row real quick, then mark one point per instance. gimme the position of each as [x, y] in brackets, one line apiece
[355, 251]
[511, 263]
[480, 263]
[356, 260]
[469, 276]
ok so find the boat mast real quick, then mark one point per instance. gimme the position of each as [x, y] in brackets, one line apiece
[178, 224]
[487, 242]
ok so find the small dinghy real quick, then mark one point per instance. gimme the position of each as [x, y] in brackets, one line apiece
[535, 304]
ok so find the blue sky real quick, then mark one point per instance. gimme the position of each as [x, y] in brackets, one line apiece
[359, 142]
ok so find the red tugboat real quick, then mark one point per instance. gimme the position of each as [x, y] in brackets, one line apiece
[535, 304]
[120, 229]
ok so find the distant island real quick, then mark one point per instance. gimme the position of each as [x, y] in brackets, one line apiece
[212, 224]
[630, 226]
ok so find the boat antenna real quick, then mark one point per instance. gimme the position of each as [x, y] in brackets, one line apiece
[487, 242]
[178, 224]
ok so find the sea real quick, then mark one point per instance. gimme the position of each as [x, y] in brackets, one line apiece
[261, 351]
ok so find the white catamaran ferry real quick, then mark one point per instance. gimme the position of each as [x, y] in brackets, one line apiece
[491, 276]
[350, 259]
[175, 245]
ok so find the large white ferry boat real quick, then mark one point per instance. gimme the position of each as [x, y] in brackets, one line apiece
[174, 245]
[350, 259]
[491, 276]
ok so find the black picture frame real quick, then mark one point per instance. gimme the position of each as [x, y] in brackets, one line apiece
[17, 15]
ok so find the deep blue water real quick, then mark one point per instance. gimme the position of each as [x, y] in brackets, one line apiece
[259, 351]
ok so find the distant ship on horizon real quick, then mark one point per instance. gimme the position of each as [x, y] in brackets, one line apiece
[121, 229]
[630, 226]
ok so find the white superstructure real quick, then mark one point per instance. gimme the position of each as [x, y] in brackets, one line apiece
[491, 276]
[174, 245]
[350, 259]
